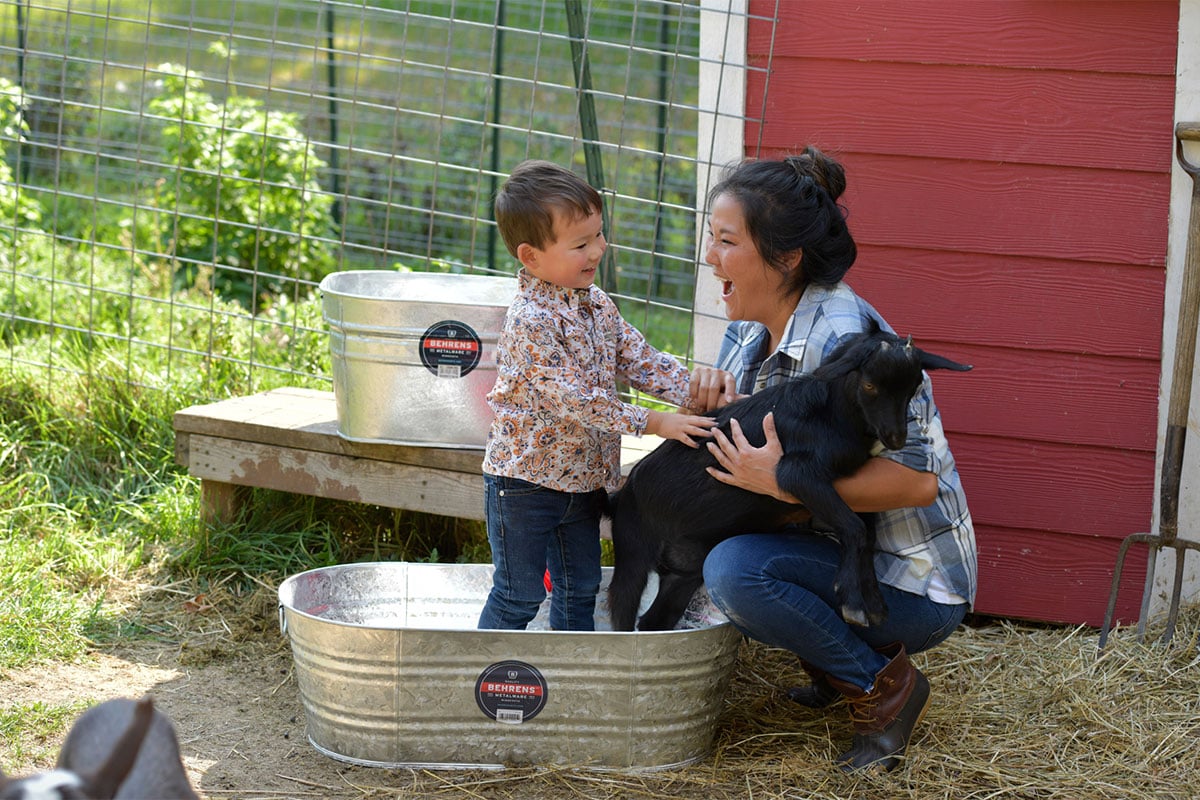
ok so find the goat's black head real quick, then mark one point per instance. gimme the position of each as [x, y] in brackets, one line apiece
[887, 372]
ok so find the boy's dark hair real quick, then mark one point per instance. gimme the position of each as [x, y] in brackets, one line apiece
[534, 192]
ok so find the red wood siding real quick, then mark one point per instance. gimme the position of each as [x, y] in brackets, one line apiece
[1009, 179]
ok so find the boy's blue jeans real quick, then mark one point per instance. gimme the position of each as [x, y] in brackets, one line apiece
[778, 588]
[531, 529]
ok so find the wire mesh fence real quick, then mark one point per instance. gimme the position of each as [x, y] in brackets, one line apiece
[177, 177]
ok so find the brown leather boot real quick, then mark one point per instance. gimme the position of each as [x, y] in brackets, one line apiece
[819, 694]
[884, 718]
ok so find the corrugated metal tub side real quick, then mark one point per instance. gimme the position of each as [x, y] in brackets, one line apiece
[392, 673]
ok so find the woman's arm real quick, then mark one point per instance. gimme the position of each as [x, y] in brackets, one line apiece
[879, 485]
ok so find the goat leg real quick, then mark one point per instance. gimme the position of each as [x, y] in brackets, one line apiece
[635, 553]
[675, 591]
[680, 574]
[872, 599]
[854, 583]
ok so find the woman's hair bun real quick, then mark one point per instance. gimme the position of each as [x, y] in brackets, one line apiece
[826, 172]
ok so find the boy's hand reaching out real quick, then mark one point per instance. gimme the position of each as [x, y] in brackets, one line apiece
[679, 426]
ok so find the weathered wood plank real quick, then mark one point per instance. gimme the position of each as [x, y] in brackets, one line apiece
[306, 419]
[286, 439]
[220, 502]
[337, 477]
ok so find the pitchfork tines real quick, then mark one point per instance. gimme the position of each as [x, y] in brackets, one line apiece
[1177, 418]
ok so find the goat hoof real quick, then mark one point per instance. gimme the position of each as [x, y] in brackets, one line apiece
[855, 616]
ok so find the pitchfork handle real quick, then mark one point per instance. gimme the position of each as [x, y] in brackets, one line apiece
[1185, 349]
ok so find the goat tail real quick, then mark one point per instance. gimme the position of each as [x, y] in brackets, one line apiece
[635, 553]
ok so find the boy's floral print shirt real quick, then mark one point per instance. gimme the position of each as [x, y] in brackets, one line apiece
[558, 419]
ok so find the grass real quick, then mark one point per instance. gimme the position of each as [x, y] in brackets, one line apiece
[90, 495]
[35, 722]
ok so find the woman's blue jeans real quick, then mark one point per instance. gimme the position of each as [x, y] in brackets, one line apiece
[778, 588]
[532, 529]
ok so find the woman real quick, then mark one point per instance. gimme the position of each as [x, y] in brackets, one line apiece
[779, 244]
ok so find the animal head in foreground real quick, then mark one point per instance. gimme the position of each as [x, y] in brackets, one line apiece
[882, 372]
[120, 748]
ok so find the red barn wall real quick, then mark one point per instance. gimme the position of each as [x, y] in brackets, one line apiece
[1009, 179]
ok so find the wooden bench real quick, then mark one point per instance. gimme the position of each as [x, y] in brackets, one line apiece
[287, 439]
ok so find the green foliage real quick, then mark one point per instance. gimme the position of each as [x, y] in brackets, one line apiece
[89, 491]
[71, 300]
[282, 534]
[243, 210]
[16, 209]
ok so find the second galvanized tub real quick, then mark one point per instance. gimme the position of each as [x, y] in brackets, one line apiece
[393, 673]
[414, 354]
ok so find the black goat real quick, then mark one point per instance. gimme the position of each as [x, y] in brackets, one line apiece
[670, 513]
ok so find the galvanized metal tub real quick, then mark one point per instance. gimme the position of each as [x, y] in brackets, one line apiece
[414, 354]
[393, 673]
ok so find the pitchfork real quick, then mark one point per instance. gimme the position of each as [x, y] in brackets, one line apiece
[1177, 421]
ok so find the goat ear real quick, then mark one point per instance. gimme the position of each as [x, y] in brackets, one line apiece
[105, 781]
[934, 361]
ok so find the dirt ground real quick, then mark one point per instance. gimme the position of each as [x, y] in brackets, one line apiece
[241, 731]
[229, 688]
[1021, 711]
[223, 672]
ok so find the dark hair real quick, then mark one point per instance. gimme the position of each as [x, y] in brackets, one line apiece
[791, 205]
[534, 192]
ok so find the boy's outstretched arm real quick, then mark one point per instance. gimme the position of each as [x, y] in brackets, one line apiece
[679, 426]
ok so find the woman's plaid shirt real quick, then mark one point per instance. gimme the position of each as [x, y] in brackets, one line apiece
[927, 551]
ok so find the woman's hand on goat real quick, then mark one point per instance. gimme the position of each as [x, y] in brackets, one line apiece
[678, 426]
[710, 388]
[746, 466]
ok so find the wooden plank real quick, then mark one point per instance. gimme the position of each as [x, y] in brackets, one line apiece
[220, 502]
[1051, 397]
[1126, 37]
[306, 419]
[1023, 303]
[1024, 573]
[1055, 488]
[286, 440]
[337, 477]
[1007, 209]
[1101, 121]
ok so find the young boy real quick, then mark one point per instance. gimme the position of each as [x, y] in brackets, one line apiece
[554, 446]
